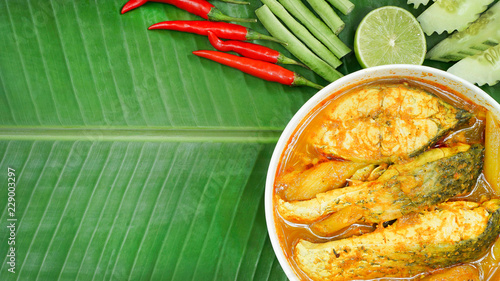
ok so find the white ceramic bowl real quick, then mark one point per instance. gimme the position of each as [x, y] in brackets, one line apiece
[423, 73]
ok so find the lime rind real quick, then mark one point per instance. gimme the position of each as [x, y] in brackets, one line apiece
[389, 35]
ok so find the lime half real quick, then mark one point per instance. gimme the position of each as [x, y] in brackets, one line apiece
[389, 35]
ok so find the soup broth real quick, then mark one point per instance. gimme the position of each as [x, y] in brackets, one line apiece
[301, 154]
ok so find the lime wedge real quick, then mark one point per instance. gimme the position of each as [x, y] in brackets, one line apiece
[389, 35]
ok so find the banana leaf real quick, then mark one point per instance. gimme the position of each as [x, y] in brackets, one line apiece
[132, 158]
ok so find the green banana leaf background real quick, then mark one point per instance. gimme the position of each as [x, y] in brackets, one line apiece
[134, 159]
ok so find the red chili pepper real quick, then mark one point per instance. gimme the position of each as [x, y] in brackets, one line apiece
[221, 29]
[250, 50]
[197, 7]
[261, 69]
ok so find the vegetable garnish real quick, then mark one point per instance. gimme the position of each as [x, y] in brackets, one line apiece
[220, 29]
[479, 36]
[492, 152]
[236, 2]
[485, 66]
[451, 15]
[317, 27]
[295, 46]
[417, 3]
[403, 43]
[344, 6]
[447, 15]
[251, 50]
[260, 69]
[328, 15]
[305, 36]
[200, 8]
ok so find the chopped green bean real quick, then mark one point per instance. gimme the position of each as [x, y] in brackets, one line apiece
[295, 46]
[317, 27]
[302, 33]
[326, 12]
[344, 6]
[236, 2]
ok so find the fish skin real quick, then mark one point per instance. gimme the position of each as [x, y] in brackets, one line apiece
[451, 233]
[378, 125]
[398, 191]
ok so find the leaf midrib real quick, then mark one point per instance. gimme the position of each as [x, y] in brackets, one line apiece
[142, 134]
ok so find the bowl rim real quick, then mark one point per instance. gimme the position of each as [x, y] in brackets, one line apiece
[354, 78]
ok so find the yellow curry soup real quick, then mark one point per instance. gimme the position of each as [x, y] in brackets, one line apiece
[371, 155]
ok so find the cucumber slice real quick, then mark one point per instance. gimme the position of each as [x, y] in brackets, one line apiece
[479, 36]
[483, 68]
[417, 3]
[450, 15]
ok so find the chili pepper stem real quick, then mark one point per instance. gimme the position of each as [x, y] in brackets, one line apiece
[301, 81]
[217, 15]
[286, 60]
[253, 35]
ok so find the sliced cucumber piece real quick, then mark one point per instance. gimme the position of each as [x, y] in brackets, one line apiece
[479, 36]
[483, 68]
[450, 15]
[417, 3]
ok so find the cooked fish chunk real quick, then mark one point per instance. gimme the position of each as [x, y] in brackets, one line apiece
[302, 185]
[385, 123]
[452, 233]
[430, 178]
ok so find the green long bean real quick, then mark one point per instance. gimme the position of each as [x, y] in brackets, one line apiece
[344, 6]
[302, 33]
[317, 27]
[237, 2]
[295, 46]
[326, 12]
